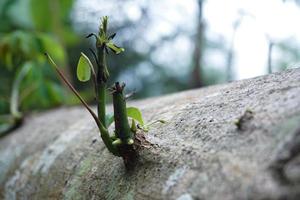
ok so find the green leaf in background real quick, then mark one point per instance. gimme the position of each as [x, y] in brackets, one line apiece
[135, 114]
[52, 46]
[84, 68]
[114, 48]
[55, 92]
[28, 29]
[51, 16]
[8, 60]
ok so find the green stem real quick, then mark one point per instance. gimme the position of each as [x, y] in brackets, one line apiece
[102, 76]
[101, 89]
[108, 141]
[14, 101]
[120, 114]
[103, 73]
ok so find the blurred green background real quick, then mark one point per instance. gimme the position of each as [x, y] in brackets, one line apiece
[169, 46]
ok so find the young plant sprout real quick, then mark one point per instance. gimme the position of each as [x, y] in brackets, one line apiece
[122, 142]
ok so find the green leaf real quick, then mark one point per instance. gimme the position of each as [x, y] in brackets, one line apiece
[84, 68]
[8, 60]
[41, 14]
[55, 92]
[53, 47]
[135, 114]
[114, 48]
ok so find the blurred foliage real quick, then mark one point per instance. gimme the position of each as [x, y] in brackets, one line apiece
[288, 54]
[28, 28]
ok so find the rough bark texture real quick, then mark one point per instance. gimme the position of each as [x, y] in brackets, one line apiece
[233, 141]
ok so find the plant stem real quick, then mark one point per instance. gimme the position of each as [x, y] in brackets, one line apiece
[104, 132]
[102, 76]
[120, 114]
[101, 98]
[108, 141]
[14, 101]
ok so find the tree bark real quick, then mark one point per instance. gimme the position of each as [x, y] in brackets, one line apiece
[234, 141]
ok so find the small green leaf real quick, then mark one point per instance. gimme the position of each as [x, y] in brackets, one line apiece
[136, 114]
[84, 68]
[114, 48]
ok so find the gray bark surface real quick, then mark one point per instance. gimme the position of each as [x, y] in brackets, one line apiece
[234, 141]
